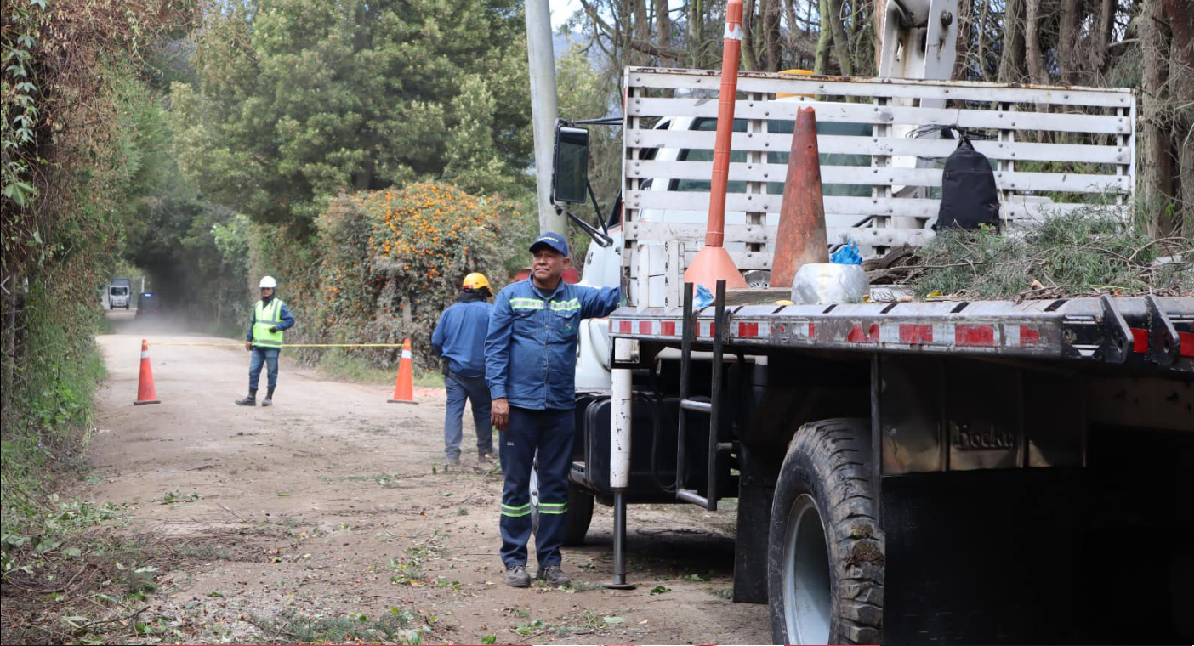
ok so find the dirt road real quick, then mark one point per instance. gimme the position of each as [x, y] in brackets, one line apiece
[330, 517]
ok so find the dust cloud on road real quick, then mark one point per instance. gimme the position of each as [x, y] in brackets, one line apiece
[332, 511]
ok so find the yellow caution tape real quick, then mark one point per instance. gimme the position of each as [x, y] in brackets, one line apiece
[285, 345]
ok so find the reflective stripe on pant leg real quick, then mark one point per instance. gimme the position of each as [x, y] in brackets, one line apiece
[555, 461]
[517, 447]
[516, 512]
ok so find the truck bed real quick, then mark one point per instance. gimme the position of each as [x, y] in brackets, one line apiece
[1153, 332]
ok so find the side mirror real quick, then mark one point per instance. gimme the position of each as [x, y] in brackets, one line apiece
[570, 177]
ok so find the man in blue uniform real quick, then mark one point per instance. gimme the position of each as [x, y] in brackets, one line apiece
[530, 364]
[460, 339]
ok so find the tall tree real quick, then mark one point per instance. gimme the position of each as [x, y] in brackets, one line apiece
[300, 99]
[1012, 57]
[824, 40]
[841, 42]
[1032, 42]
[1180, 16]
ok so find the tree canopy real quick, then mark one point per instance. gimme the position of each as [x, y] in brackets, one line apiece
[296, 100]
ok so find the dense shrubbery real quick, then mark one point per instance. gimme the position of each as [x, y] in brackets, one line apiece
[384, 264]
[80, 140]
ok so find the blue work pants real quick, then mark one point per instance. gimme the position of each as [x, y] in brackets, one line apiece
[476, 391]
[548, 433]
[269, 357]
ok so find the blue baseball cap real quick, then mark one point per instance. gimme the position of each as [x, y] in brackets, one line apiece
[552, 241]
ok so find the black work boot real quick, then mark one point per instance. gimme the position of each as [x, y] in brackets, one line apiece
[250, 400]
[269, 398]
[554, 576]
[517, 577]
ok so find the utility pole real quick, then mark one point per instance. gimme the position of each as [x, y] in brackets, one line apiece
[542, 62]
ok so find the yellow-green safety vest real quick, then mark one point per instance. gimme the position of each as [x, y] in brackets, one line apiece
[265, 317]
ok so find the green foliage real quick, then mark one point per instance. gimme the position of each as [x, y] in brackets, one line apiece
[21, 114]
[394, 627]
[297, 100]
[584, 93]
[47, 530]
[83, 143]
[1084, 252]
[383, 265]
[49, 401]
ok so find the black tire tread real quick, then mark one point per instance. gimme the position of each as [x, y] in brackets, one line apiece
[826, 455]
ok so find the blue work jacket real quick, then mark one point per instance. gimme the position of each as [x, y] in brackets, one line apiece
[530, 351]
[460, 335]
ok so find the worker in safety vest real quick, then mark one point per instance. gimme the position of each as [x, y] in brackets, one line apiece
[270, 318]
[459, 339]
[530, 363]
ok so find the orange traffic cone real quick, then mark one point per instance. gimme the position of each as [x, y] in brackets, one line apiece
[404, 388]
[146, 393]
[801, 237]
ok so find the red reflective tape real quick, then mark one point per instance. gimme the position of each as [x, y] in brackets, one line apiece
[748, 330]
[669, 328]
[916, 333]
[975, 335]
[1186, 339]
[858, 335]
[1139, 341]
[812, 330]
[644, 327]
[1030, 337]
[624, 327]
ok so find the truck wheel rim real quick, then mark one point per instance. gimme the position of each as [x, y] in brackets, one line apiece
[806, 579]
[534, 487]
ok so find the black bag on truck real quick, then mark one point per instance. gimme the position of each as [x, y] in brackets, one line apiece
[969, 197]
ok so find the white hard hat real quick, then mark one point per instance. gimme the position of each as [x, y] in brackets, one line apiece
[268, 281]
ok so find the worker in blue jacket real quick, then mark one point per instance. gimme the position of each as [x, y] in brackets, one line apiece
[530, 364]
[459, 339]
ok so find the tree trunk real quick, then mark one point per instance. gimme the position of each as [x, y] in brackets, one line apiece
[663, 24]
[750, 58]
[980, 39]
[877, 23]
[1010, 69]
[1103, 37]
[1180, 17]
[823, 41]
[793, 35]
[773, 54]
[1157, 163]
[696, 33]
[1032, 43]
[1072, 13]
[965, 27]
[841, 44]
[642, 30]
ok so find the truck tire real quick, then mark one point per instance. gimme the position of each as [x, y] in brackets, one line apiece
[825, 551]
[576, 521]
[580, 514]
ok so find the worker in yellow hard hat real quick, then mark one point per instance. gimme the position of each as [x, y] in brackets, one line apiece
[459, 339]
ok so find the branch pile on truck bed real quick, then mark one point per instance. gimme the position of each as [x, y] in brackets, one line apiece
[1071, 255]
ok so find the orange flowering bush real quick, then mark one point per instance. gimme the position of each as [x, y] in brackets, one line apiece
[383, 265]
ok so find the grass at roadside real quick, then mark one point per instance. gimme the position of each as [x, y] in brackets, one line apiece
[341, 365]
